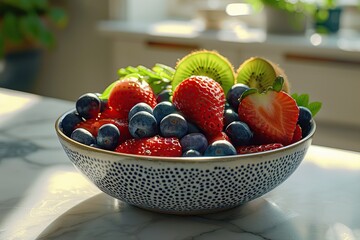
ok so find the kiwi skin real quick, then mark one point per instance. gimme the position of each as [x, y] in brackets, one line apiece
[205, 63]
[278, 71]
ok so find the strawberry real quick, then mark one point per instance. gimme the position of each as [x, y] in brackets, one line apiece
[297, 134]
[110, 112]
[220, 136]
[93, 125]
[257, 148]
[128, 92]
[153, 146]
[202, 101]
[271, 115]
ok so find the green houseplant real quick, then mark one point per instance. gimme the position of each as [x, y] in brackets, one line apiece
[28, 22]
[26, 28]
[285, 16]
[327, 17]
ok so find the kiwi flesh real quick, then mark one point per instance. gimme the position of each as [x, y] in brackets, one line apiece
[205, 63]
[257, 73]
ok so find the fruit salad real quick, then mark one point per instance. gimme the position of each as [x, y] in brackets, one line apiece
[201, 107]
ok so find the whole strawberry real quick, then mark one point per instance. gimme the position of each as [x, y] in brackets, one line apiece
[202, 101]
[153, 146]
[271, 115]
[128, 92]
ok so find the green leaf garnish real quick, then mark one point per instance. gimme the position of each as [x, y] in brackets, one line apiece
[248, 92]
[159, 77]
[278, 84]
[304, 101]
[314, 107]
[105, 95]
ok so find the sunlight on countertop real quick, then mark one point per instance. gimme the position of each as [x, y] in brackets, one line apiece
[330, 158]
[58, 189]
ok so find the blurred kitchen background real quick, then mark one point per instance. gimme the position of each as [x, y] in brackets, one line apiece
[320, 57]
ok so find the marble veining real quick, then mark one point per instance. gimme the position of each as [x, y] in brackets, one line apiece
[42, 195]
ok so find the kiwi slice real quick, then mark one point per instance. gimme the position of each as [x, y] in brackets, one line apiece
[257, 73]
[205, 63]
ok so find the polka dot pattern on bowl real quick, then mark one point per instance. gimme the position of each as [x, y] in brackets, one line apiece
[177, 187]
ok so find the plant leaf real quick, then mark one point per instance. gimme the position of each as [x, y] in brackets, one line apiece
[314, 107]
[301, 100]
[278, 84]
[106, 93]
[248, 92]
[58, 17]
[11, 28]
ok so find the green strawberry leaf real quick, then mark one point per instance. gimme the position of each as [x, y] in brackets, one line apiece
[105, 95]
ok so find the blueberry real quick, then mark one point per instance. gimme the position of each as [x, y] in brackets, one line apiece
[305, 130]
[230, 116]
[164, 95]
[192, 128]
[69, 122]
[140, 107]
[305, 120]
[104, 102]
[108, 136]
[143, 124]
[162, 109]
[191, 153]
[88, 105]
[173, 125]
[239, 133]
[235, 93]
[220, 148]
[194, 141]
[305, 116]
[83, 136]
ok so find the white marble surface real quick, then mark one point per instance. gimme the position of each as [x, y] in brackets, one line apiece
[44, 197]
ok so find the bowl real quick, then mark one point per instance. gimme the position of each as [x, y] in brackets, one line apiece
[177, 185]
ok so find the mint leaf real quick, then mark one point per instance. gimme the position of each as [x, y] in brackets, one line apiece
[278, 84]
[304, 101]
[248, 92]
[314, 107]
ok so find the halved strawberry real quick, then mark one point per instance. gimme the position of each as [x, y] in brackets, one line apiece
[153, 146]
[257, 148]
[202, 101]
[271, 115]
[297, 134]
[128, 92]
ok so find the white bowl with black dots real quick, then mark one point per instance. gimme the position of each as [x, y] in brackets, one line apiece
[179, 185]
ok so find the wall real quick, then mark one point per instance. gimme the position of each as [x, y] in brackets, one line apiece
[80, 62]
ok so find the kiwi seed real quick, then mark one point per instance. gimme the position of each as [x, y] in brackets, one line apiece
[205, 63]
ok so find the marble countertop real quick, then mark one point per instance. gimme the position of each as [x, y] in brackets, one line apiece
[44, 197]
